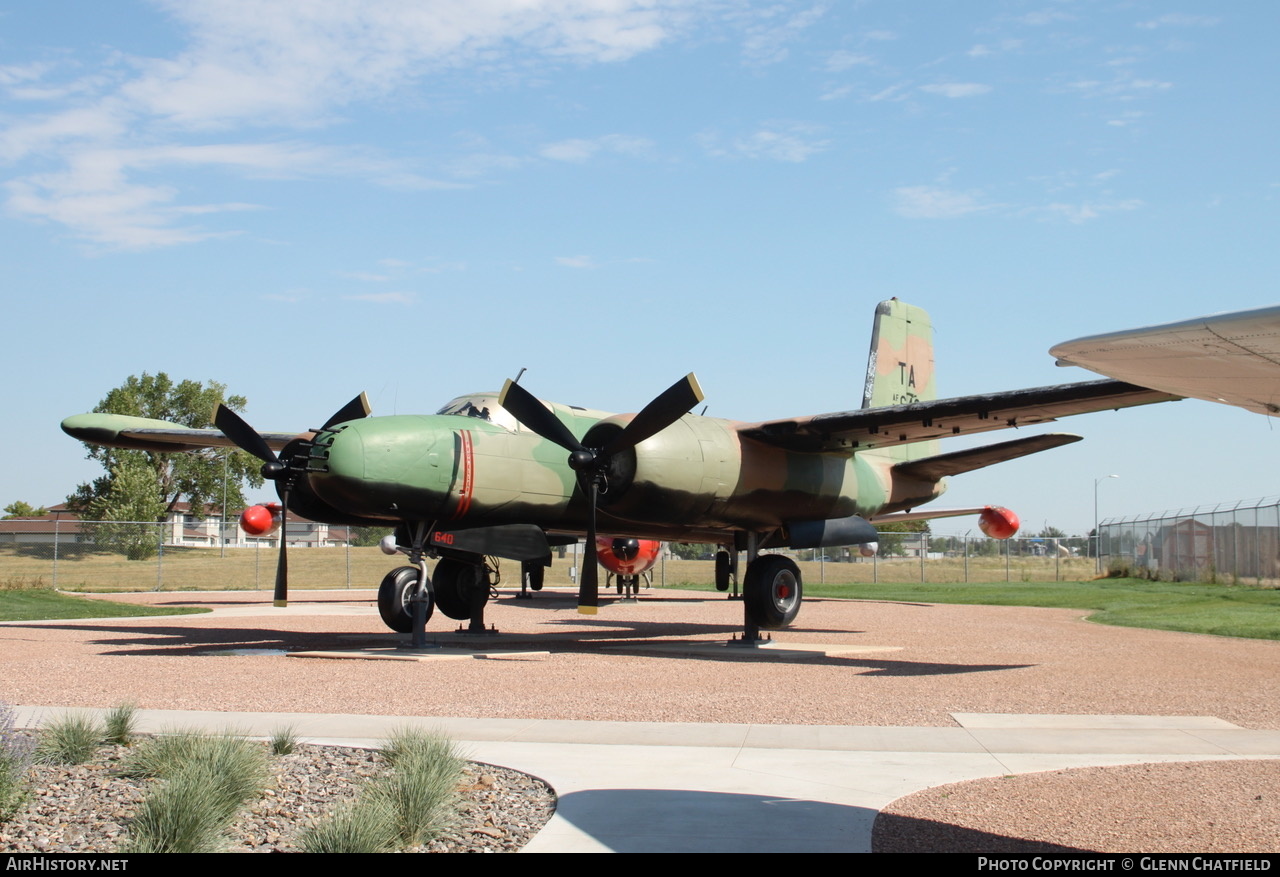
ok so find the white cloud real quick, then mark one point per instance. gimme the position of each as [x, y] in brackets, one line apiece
[384, 298]
[773, 29]
[249, 65]
[932, 202]
[1179, 19]
[840, 61]
[893, 92]
[1123, 87]
[575, 261]
[579, 150]
[956, 89]
[778, 141]
[256, 58]
[983, 50]
[1087, 210]
[1045, 16]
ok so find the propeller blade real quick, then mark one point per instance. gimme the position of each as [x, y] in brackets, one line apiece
[245, 436]
[589, 581]
[672, 404]
[666, 409]
[281, 597]
[537, 417]
[353, 410]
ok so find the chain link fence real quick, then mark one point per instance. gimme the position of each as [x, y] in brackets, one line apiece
[1233, 543]
[134, 556]
[145, 555]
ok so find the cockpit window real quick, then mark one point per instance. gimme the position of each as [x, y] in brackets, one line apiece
[484, 408]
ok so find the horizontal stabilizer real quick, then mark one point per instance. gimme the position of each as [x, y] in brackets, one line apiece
[925, 515]
[933, 468]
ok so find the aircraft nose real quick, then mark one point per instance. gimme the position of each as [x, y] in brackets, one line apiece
[385, 467]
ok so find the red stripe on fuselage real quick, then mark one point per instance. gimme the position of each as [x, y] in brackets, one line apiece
[467, 461]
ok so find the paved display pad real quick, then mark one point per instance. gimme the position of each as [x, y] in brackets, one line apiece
[654, 746]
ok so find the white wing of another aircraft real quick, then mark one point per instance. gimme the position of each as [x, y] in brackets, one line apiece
[1232, 358]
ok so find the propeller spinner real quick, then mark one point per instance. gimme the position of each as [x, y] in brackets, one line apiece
[281, 471]
[592, 463]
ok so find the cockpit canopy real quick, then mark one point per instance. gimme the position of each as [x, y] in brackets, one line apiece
[483, 406]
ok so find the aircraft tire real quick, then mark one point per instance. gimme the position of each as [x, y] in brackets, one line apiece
[771, 591]
[722, 570]
[454, 580]
[393, 599]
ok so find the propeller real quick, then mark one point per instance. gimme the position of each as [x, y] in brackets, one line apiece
[279, 470]
[591, 464]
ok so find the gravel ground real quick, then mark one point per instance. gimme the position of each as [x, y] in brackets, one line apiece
[1196, 807]
[86, 808]
[951, 659]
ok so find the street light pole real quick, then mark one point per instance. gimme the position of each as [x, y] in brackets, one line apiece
[1097, 536]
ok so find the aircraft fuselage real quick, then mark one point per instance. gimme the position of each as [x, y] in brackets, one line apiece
[469, 471]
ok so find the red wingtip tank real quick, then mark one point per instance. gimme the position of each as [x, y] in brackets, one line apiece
[261, 520]
[998, 523]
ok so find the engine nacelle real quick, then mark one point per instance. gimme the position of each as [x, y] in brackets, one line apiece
[997, 522]
[628, 557]
[869, 549]
[260, 520]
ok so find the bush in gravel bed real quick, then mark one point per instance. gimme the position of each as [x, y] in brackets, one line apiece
[412, 805]
[283, 740]
[207, 778]
[185, 814]
[68, 740]
[15, 757]
[366, 825]
[119, 722]
[423, 785]
[243, 762]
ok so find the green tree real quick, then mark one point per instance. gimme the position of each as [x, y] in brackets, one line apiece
[892, 538]
[20, 509]
[130, 502]
[366, 537]
[147, 485]
[689, 550]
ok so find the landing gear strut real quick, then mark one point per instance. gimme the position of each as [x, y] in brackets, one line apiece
[629, 585]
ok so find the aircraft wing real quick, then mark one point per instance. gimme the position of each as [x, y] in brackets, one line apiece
[144, 434]
[961, 415]
[1232, 358]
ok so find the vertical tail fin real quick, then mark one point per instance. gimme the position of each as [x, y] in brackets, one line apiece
[900, 367]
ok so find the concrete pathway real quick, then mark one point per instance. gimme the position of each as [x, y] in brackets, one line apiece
[649, 787]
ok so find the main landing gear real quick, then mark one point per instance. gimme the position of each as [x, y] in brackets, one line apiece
[459, 589]
[408, 596]
[395, 596]
[771, 591]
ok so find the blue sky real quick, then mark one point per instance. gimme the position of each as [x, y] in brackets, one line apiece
[420, 198]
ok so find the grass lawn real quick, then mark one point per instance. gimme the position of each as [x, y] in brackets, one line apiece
[1196, 608]
[45, 605]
